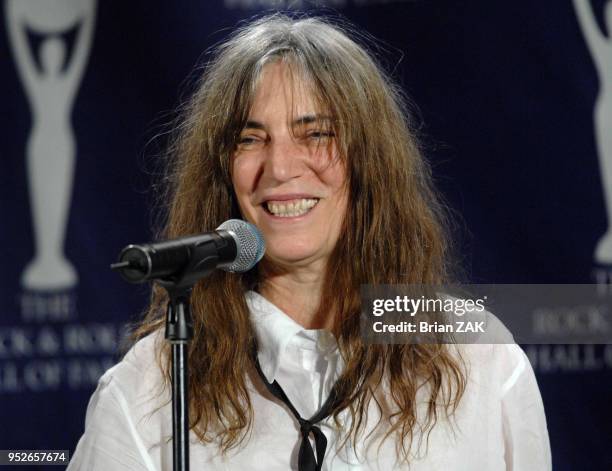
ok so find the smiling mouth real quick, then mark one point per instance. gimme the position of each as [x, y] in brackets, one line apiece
[290, 208]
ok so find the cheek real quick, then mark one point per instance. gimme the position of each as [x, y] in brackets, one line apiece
[334, 177]
[337, 182]
[243, 178]
[330, 168]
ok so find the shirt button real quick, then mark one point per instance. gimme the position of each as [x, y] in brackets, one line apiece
[326, 342]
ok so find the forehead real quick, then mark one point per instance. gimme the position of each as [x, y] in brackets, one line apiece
[280, 88]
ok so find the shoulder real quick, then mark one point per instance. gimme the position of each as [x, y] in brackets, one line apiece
[132, 394]
[140, 365]
[127, 413]
[138, 370]
[136, 383]
[484, 343]
[502, 400]
[503, 390]
[497, 366]
[492, 358]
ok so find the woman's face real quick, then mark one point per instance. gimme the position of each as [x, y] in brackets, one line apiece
[287, 176]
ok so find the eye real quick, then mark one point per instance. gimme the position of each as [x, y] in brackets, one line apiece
[320, 135]
[249, 141]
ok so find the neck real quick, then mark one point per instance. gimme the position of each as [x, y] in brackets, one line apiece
[297, 293]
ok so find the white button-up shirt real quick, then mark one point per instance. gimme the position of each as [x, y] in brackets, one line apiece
[499, 424]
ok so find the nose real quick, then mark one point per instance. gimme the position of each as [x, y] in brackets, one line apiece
[284, 160]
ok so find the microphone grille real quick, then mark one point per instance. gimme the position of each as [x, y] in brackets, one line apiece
[250, 245]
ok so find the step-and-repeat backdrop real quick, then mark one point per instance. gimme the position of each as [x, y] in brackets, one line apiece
[515, 103]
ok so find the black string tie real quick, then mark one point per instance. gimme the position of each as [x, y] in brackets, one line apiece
[306, 456]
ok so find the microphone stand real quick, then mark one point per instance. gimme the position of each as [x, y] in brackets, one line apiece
[179, 332]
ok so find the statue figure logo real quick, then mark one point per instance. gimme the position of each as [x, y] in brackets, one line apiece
[50, 74]
[601, 50]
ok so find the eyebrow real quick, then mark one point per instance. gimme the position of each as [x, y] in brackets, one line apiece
[301, 121]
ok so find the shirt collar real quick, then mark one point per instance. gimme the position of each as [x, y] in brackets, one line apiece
[275, 330]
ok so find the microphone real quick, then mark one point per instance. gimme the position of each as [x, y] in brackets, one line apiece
[235, 246]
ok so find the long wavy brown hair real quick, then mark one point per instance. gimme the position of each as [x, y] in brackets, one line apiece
[394, 231]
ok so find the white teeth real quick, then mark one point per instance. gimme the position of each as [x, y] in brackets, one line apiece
[291, 208]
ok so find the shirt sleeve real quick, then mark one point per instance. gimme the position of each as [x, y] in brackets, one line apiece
[527, 446]
[111, 440]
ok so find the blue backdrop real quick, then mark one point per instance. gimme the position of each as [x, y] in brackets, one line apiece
[507, 95]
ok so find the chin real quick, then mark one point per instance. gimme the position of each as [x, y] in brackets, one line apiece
[291, 255]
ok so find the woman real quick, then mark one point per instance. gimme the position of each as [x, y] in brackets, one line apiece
[295, 128]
